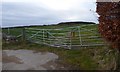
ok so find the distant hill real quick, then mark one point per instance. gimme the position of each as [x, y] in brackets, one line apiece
[59, 24]
[71, 23]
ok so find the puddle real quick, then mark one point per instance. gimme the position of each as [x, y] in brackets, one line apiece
[29, 60]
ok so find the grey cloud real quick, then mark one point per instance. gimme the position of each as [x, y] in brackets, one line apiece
[16, 13]
[21, 14]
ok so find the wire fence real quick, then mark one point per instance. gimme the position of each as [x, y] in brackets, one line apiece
[69, 37]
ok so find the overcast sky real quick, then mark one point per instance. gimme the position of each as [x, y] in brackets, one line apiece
[35, 12]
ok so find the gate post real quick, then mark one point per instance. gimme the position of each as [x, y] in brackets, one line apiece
[80, 38]
[43, 37]
[8, 31]
[72, 34]
[23, 35]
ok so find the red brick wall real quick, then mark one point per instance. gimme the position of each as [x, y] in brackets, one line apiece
[109, 22]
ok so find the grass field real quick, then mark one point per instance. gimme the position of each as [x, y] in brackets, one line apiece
[85, 34]
[90, 58]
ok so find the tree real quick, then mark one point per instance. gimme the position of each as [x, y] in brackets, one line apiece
[109, 24]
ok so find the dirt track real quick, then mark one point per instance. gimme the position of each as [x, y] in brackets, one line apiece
[29, 60]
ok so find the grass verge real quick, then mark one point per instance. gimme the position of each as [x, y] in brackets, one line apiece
[83, 59]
